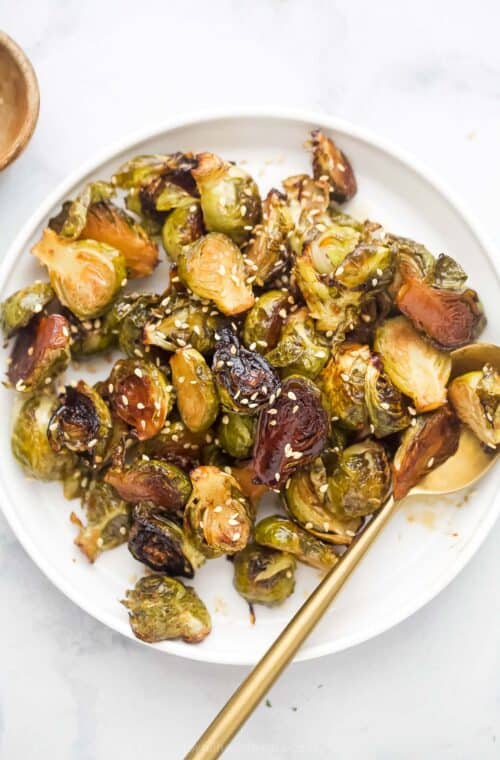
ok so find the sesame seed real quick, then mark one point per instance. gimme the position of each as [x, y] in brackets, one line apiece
[283, 313]
[412, 411]
[111, 387]
[124, 400]
[372, 428]
[385, 405]
[272, 411]
[222, 270]
[140, 405]
[123, 282]
[339, 270]
[308, 526]
[430, 462]
[142, 423]
[344, 376]
[233, 521]
[100, 542]
[123, 530]
[181, 379]
[277, 476]
[138, 372]
[252, 346]
[295, 409]
[218, 509]
[379, 272]
[31, 351]
[225, 420]
[374, 282]
[291, 395]
[92, 443]
[236, 536]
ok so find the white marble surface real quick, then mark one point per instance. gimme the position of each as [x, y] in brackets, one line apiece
[426, 75]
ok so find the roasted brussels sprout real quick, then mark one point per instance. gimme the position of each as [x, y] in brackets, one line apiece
[263, 575]
[40, 353]
[475, 397]
[343, 384]
[416, 367]
[108, 520]
[182, 227]
[230, 198]
[290, 433]
[424, 446]
[160, 544]
[385, 404]
[184, 323]
[267, 252]
[307, 201]
[262, 327]
[218, 518]
[307, 501]
[30, 444]
[412, 261]
[448, 318]
[20, 308]
[300, 350]
[85, 275]
[330, 241]
[236, 434]
[163, 608]
[133, 323]
[177, 444]
[92, 336]
[81, 423]
[244, 473]
[278, 532]
[161, 483]
[330, 163]
[368, 267]
[140, 395]
[70, 221]
[196, 394]
[361, 481]
[448, 274]
[140, 170]
[213, 268]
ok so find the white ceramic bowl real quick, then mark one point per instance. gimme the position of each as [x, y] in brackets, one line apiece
[428, 542]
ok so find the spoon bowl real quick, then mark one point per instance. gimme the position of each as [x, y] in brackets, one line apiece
[19, 100]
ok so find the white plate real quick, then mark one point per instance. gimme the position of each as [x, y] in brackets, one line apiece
[428, 541]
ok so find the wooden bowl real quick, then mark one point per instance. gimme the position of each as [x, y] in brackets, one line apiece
[19, 100]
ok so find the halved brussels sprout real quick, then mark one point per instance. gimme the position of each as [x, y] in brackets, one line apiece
[413, 261]
[163, 608]
[267, 251]
[236, 434]
[448, 318]
[343, 385]
[40, 353]
[278, 532]
[81, 423]
[20, 308]
[416, 367]
[263, 575]
[71, 219]
[30, 444]
[140, 170]
[330, 163]
[108, 520]
[213, 268]
[160, 544]
[290, 433]
[161, 483]
[177, 444]
[300, 349]
[140, 395]
[182, 227]
[424, 446]
[386, 406]
[368, 267]
[133, 323]
[229, 197]
[185, 323]
[448, 273]
[196, 394]
[330, 241]
[476, 399]
[361, 481]
[306, 500]
[218, 518]
[245, 380]
[244, 473]
[86, 275]
[263, 322]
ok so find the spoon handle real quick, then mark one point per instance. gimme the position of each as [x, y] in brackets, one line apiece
[246, 698]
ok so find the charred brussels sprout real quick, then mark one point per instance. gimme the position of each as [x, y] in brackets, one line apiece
[40, 353]
[163, 608]
[86, 275]
[177, 444]
[213, 268]
[196, 394]
[184, 322]
[300, 349]
[236, 433]
[140, 395]
[386, 406]
[108, 520]
[414, 366]
[263, 575]
[424, 446]
[81, 423]
[160, 544]
[361, 481]
[230, 198]
[263, 322]
[290, 433]
[70, 221]
[245, 380]
[267, 252]
[20, 308]
[30, 444]
[218, 518]
[161, 483]
[130, 336]
[182, 227]
[330, 163]
[277, 532]
[475, 397]
[343, 384]
[140, 170]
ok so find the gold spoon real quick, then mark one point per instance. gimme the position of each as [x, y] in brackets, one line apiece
[463, 469]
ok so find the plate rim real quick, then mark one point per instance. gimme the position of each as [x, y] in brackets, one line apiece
[186, 120]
